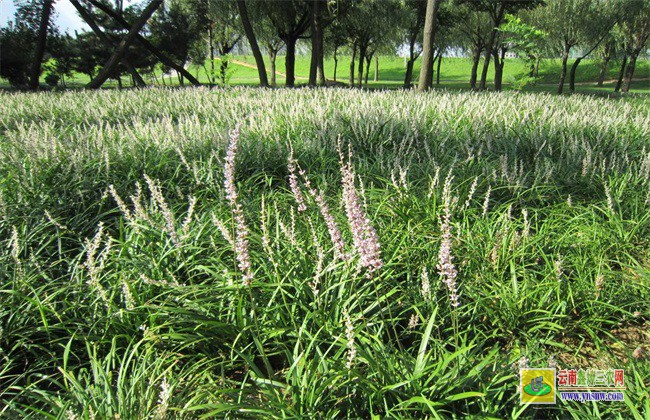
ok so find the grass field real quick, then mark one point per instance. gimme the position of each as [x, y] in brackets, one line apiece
[260, 253]
[454, 74]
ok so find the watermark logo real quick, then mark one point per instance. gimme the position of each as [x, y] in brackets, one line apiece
[541, 385]
[537, 386]
[591, 384]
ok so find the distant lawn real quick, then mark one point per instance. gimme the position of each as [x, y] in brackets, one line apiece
[393, 69]
[454, 74]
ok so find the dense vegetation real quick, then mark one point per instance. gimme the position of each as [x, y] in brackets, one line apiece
[141, 40]
[318, 253]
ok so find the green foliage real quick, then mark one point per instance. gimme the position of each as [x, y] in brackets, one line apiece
[522, 38]
[15, 60]
[175, 30]
[121, 293]
[526, 41]
[18, 40]
[225, 71]
[52, 79]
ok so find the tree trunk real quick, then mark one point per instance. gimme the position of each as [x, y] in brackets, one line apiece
[40, 44]
[272, 56]
[565, 58]
[316, 73]
[112, 63]
[336, 62]
[320, 69]
[499, 63]
[603, 67]
[619, 82]
[574, 67]
[376, 78]
[354, 54]
[488, 54]
[368, 62]
[438, 68]
[362, 55]
[490, 46]
[290, 62]
[433, 65]
[87, 17]
[498, 76]
[250, 35]
[629, 72]
[211, 46]
[426, 71]
[497, 73]
[476, 58]
[313, 24]
[145, 43]
[409, 74]
[408, 77]
[572, 75]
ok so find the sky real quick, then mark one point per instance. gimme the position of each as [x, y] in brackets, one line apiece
[66, 18]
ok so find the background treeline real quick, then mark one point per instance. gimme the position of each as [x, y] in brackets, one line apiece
[146, 40]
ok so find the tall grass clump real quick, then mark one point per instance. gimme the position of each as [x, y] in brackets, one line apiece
[254, 253]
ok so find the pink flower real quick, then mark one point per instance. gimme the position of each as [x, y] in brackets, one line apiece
[293, 183]
[364, 235]
[332, 227]
[446, 266]
[241, 230]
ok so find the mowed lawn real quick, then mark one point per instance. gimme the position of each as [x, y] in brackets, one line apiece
[454, 74]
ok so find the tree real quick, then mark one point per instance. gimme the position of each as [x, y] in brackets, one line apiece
[563, 21]
[426, 69]
[268, 38]
[448, 18]
[46, 12]
[174, 30]
[94, 53]
[219, 21]
[606, 53]
[316, 68]
[525, 40]
[106, 40]
[368, 26]
[63, 50]
[291, 20]
[252, 40]
[25, 45]
[472, 33]
[601, 18]
[497, 10]
[635, 29]
[122, 23]
[413, 23]
[112, 63]
[16, 60]
[335, 39]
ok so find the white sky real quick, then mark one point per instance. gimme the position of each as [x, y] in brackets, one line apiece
[66, 19]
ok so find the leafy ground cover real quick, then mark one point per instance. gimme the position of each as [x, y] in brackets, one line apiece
[255, 253]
